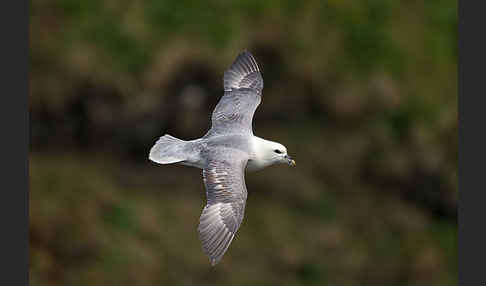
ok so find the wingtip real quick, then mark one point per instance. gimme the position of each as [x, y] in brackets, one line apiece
[246, 52]
[213, 262]
[248, 55]
[243, 72]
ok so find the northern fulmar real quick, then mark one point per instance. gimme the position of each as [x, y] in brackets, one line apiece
[224, 153]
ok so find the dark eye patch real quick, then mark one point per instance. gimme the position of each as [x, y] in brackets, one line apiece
[277, 151]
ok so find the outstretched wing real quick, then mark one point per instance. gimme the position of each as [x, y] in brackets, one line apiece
[243, 86]
[226, 198]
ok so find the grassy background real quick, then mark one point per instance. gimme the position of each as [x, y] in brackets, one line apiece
[363, 94]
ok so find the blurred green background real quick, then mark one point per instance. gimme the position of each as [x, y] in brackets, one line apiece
[362, 93]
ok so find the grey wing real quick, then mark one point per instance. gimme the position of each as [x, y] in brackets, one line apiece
[243, 86]
[226, 198]
[243, 73]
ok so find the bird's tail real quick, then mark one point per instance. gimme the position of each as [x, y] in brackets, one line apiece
[167, 150]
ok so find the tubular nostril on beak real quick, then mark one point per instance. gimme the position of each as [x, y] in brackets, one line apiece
[290, 161]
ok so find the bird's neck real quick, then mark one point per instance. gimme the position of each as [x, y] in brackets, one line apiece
[259, 155]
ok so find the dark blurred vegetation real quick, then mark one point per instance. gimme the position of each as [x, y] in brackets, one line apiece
[362, 93]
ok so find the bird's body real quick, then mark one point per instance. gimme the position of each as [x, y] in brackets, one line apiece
[199, 151]
[224, 153]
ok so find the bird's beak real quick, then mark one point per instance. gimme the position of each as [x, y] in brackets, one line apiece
[289, 160]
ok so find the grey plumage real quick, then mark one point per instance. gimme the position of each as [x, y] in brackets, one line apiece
[234, 112]
[243, 86]
[226, 197]
[224, 178]
[243, 73]
[224, 153]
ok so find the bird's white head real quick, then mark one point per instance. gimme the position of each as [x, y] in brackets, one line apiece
[269, 152]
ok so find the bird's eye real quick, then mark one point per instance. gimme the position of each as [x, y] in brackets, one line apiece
[277, 151]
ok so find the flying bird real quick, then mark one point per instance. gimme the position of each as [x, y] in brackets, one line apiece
[224, 153]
